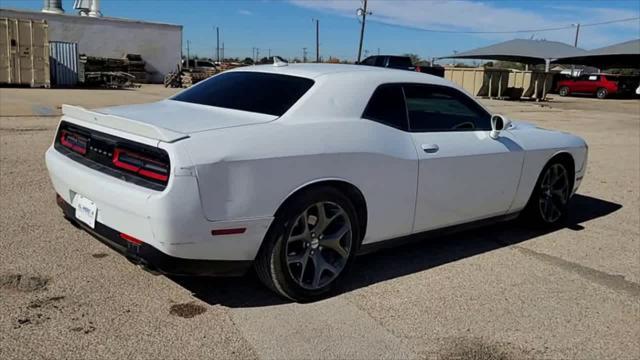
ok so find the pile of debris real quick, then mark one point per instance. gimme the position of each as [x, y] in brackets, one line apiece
[186, 76]
[113, 73]
[136, 67]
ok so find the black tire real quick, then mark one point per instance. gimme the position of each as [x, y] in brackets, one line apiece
[564, 91]
[536, 213]
[602, 93]
[272, 265]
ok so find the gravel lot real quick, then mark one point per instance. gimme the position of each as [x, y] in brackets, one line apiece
[502, 292]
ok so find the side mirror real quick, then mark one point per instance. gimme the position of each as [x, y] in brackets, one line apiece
[498, 123]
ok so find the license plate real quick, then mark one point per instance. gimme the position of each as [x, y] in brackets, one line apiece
[86, 210]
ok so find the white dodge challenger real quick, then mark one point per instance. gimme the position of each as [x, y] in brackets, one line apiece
[295, 169]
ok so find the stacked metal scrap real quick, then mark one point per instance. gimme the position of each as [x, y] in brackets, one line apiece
[136, 67]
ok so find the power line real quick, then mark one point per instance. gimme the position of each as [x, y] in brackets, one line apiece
[504, 31]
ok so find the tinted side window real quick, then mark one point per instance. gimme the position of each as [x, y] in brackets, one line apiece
[264, 93]
[371, 60]
[436, 108]
[387, 106]
[399, 62]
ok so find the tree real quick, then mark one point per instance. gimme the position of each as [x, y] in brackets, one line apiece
[247, 61]
[264, 60]
[505, 65]
[415, 58]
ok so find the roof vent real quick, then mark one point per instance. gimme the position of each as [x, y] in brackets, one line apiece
[88, 7]
[278, 61]
[53, 7]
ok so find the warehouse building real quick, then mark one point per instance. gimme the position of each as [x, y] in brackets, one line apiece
[160, 45]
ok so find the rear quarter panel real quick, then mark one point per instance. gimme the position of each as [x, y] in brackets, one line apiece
[248, 172]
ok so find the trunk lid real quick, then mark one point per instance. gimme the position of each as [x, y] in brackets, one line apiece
[166, 120]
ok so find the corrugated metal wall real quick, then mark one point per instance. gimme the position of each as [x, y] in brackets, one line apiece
[64, 63]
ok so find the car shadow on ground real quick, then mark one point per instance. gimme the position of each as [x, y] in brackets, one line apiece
[247, 291]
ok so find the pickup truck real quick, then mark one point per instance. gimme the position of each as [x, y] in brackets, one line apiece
[402, 63]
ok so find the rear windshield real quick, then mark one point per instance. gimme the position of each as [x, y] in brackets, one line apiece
[264, 93]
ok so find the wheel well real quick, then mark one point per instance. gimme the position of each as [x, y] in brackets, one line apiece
[567, 160]
[349, 190]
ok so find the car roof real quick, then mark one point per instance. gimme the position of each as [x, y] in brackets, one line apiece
[313, 71]
[370, 74]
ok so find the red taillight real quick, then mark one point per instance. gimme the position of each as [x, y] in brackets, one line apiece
[73, 141]
[140, 164]
[418, 69]
[130, 239]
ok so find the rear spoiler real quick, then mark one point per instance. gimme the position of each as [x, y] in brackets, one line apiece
[121, 123]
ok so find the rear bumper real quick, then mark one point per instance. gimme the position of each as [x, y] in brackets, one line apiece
[153, 259]
[171, 221]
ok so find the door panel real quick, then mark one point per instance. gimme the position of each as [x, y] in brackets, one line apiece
[464, 176]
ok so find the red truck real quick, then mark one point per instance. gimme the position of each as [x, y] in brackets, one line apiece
[600, 85]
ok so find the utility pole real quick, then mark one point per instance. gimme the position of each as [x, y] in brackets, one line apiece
[257, 54]
[363, 13]
[378, 51]
[188, 55]
[317, 40]
[223, 51]
[304, 55]
[575, 44]
[253, 54]
[218, 44]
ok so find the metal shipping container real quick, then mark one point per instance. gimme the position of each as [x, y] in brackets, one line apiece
[534, 84]
[64, 63]
[24, 52]
[479, 81]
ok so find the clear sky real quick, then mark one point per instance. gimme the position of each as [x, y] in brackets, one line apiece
[395, 26]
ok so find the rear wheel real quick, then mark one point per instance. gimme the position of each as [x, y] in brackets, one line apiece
[564, 91]
[310, 245]
[548, 203]
[602, 93]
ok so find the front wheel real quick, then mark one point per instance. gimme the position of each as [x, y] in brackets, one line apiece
[310, 245]
[548, 203]
[602, 93]
[564, 91]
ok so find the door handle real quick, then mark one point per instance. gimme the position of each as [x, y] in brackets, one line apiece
[430, 148]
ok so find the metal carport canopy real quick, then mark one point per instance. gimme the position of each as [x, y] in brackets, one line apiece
[523, 51]
[625, 54]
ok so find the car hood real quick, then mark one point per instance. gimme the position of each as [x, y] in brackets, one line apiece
[186, 118]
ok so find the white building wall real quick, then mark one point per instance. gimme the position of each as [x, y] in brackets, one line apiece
[159, 44]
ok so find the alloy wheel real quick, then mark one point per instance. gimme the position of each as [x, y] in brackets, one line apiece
[318, 245]
[554, 193]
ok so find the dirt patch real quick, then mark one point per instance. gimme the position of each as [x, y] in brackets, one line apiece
[22, 283]
[84, 329]
[48, 302]
[99, 255]
[477, 349]
[187, 310]
[39, 311]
